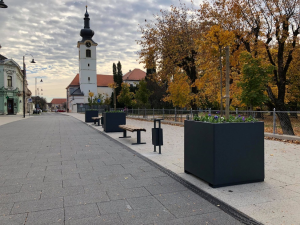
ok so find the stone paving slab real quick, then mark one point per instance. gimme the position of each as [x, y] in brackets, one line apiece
[282, 172]
[68, 174]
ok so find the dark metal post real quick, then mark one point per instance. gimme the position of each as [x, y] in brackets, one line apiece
[24, 77]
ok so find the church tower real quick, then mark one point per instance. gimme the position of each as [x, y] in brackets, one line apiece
[87, 60]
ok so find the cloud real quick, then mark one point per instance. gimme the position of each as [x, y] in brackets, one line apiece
[49, 30]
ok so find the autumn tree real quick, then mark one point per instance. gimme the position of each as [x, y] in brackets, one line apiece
[125, 97]
[170, 39]
[211, 81]
[180, 90]
[266, 29]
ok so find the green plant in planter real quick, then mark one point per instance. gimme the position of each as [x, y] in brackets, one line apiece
[116, 111]
[219, 119]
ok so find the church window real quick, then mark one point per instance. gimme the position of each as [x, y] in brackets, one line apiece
[88, 65]
[9, 81]
[89, 79]
[88, 53]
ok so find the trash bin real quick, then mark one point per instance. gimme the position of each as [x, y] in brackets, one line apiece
[157, 135]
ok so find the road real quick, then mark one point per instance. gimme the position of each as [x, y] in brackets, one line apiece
[56, 170]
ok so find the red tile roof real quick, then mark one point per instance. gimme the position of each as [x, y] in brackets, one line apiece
[58, 100]
[104, 80]
[135, 74]
[75, 81]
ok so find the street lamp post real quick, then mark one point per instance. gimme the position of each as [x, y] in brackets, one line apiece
[36, 93]
[24, 78]
[2, 4]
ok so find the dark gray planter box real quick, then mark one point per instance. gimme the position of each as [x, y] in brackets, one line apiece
[224, 154]
[112, 121]
[89, 114]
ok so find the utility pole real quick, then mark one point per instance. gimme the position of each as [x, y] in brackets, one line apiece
[227, 83]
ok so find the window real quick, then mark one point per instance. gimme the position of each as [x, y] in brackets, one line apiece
[89, 79]
[9, 81]
[88, 65]
[88, 53]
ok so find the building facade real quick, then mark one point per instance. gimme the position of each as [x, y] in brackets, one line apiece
[11, 88]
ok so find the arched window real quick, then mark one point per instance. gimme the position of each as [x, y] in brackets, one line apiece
[9, 81]
[88, 53]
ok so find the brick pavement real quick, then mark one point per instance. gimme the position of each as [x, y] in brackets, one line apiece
[56, 170]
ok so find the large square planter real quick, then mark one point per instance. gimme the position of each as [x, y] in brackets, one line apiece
[89, 114]
[111, 121]
[224, 154]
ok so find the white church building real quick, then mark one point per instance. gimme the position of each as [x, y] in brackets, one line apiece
[87, 80]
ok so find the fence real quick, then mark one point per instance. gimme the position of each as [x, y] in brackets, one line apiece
[276, 122]
[81, 108]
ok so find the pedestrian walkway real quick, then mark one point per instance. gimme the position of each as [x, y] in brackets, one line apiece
[56, 170]
[4, 119]
[274, 201]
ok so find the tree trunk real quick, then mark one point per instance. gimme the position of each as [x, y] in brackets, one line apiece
[285, 123]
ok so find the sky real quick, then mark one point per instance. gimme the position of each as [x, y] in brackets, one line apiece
[49, 31]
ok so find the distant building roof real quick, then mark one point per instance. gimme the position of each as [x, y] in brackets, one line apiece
[2, 57]
[134, 75]
[58, 100]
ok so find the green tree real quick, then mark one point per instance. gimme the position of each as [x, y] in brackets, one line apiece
[125, 97]
[142, 94]
[118, 80]
[255, 78]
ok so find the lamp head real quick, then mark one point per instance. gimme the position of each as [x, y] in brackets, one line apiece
[32, 61]
[41, 80]
[2, 4]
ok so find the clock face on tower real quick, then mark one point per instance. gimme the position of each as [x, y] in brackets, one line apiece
[88, 44]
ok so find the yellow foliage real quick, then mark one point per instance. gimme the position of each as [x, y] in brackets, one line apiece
[179, 90]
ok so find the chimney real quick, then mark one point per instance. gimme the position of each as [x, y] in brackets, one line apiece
[129, 70]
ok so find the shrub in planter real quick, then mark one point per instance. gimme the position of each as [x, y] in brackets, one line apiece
[224, 152]
[89, 114]
[112, 120]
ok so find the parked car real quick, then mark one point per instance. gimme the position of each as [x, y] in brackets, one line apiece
[37, 111]
[61, 110]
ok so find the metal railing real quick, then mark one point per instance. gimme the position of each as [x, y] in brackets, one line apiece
[276, 122]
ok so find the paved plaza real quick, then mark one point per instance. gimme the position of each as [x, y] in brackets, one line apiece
[57, 170]
[276, 201]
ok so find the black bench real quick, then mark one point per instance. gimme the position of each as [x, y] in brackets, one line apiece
[132, 129]
[96, 119]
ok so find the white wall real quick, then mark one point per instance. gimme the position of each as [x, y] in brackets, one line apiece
[105, 90]
[134, 83]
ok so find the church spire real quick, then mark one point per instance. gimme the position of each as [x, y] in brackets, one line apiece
[86, 19]
[86, 33]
